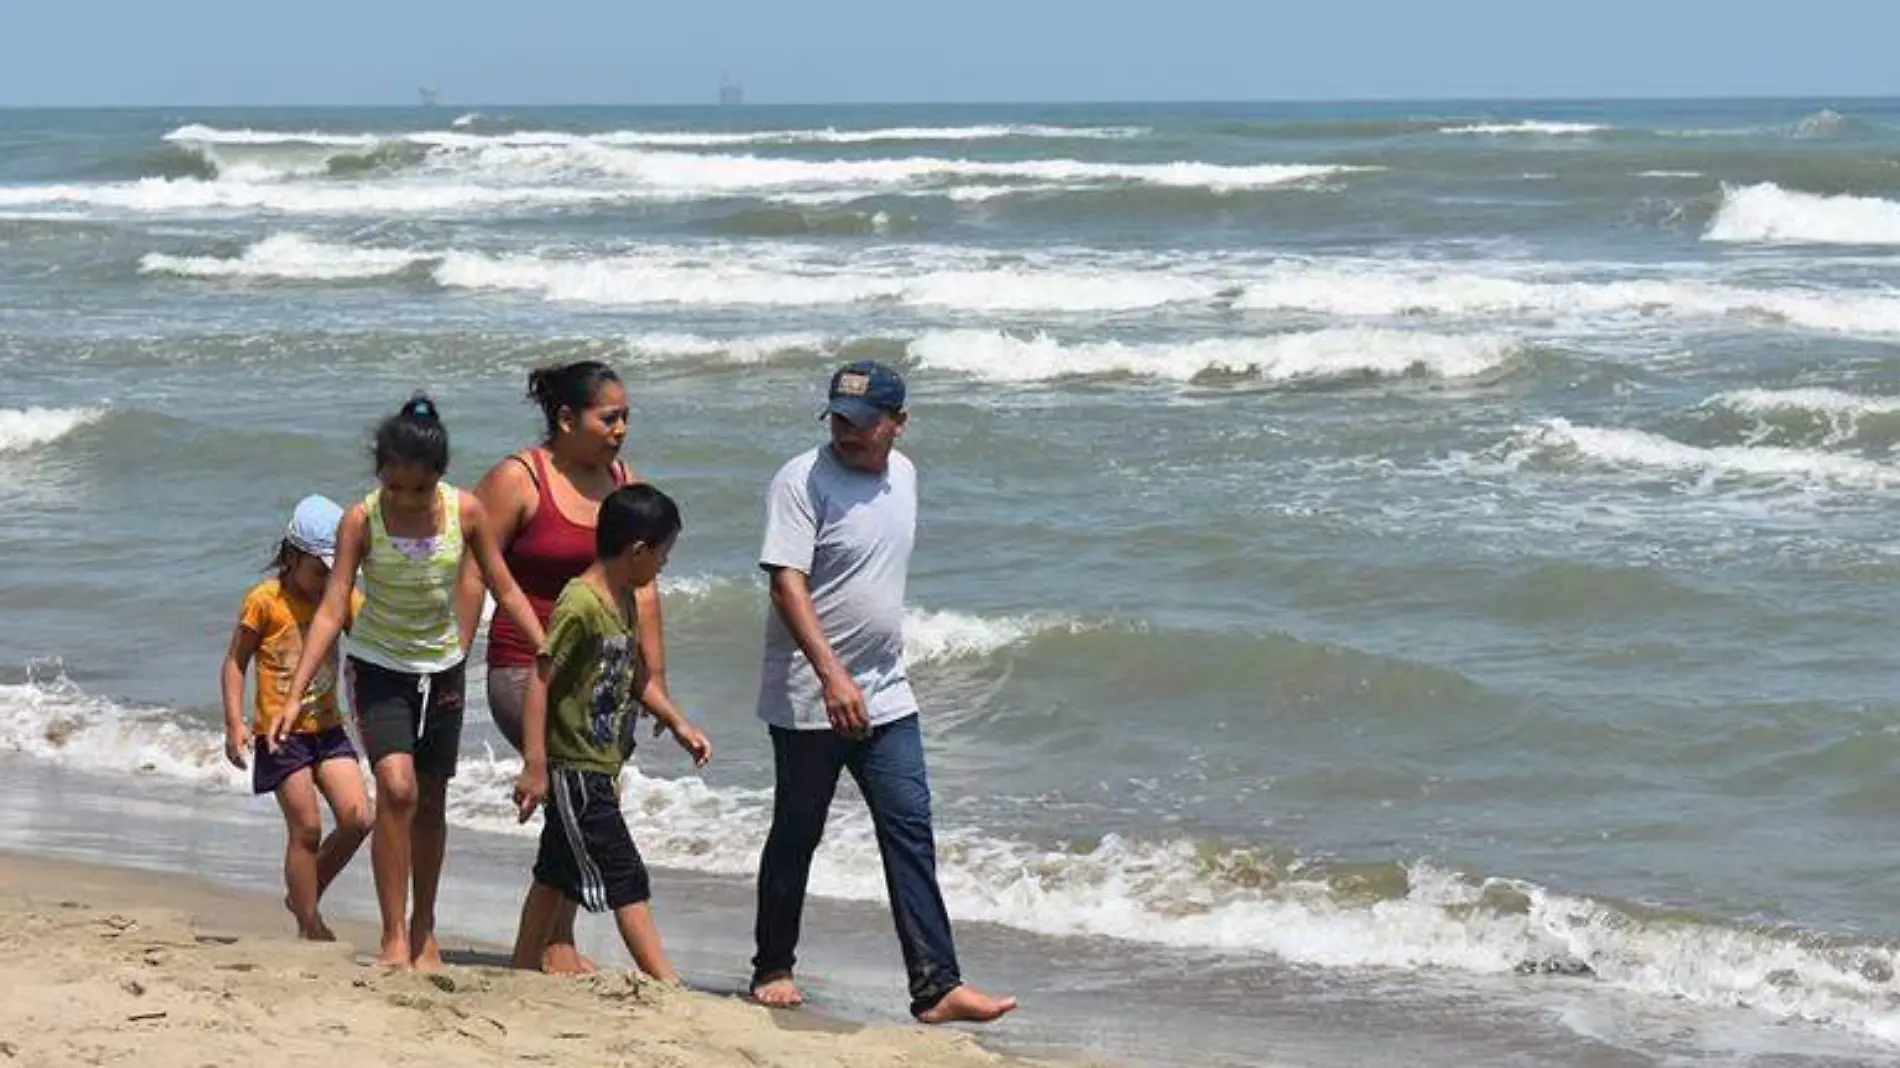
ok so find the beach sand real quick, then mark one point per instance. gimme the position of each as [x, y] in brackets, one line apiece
[107, 966]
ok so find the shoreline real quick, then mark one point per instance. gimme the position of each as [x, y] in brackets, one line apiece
[108, 961]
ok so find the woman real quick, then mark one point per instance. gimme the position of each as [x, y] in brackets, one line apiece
[543, 501]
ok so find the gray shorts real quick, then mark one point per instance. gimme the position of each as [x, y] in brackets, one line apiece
[507, 698]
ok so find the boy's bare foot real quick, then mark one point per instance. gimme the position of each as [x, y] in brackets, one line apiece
[426, 955]
[967, 1004]
[779, 993]
[563, 958]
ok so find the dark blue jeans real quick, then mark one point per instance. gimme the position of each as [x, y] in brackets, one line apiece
[889, 769]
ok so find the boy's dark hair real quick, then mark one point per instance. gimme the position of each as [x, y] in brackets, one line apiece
[636, 513]
[572, 386]
[414, 435]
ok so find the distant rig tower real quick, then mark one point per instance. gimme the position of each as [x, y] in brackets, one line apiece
[428, 95]
[731, 93]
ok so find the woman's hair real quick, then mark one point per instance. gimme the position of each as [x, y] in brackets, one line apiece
[573, 386]
[414, 435]
[636, 513]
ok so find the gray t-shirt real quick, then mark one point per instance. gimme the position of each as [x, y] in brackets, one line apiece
[850, 532]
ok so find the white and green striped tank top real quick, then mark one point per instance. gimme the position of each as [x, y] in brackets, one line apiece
[407, 622]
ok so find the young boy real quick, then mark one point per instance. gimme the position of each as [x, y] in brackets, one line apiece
[577, 733]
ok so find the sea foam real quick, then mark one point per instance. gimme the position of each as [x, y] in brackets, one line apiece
[28, 428]
[1766, 213]
[1336, 353]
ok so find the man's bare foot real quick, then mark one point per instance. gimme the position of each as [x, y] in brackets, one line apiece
[425, 954]
[779, 993]
[395, 954]
[967, 1004]
[563, 958]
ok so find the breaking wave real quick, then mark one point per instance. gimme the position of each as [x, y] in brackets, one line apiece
[1527, 126]
[29, 428]
[1768, 214]
[290, 257]
[196, 134]
[1340, 353]
[978, 280]
[1561, 444]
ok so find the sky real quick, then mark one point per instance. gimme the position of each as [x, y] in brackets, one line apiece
[241, 52]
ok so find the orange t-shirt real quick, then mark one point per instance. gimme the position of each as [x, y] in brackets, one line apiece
[280, 619]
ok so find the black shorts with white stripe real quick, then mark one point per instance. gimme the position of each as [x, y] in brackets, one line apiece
[586, 852]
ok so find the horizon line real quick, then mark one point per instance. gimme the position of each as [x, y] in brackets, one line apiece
[752, 105]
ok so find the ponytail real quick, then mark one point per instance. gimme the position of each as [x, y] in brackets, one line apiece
[414, 435]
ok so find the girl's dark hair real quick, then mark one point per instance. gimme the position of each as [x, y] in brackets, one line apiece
[285, 559]
[572, 386]
[639, 512]
[414, 435]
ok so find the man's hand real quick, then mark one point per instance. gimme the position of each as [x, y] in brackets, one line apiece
[844, 704]
[695, 743]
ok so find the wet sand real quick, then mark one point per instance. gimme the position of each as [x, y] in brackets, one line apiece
[105, 964]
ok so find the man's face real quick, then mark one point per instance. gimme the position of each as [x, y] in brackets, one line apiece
[866, 448]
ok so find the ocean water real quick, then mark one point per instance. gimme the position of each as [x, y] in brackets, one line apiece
[1406, 577]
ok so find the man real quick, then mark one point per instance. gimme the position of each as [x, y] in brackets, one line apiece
[840, 520]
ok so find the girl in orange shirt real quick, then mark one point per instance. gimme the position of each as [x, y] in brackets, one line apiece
[317, 756]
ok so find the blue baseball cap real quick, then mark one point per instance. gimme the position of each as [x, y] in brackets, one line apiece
[313, 527]
[864, 392]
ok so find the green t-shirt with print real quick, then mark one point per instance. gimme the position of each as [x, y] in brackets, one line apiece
[596, 675]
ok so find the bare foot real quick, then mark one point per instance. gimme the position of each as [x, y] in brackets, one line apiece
[310, 928]
[780, 993]
[395, 954]
[426, 955]
[967, 1004]
[562, 958]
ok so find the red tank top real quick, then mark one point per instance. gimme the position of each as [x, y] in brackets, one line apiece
[543, 558]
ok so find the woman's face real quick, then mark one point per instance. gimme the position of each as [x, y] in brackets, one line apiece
[594, 434]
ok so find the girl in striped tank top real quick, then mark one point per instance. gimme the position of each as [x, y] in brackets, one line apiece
[411, 538]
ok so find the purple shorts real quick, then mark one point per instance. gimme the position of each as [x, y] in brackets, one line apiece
[299, 751]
